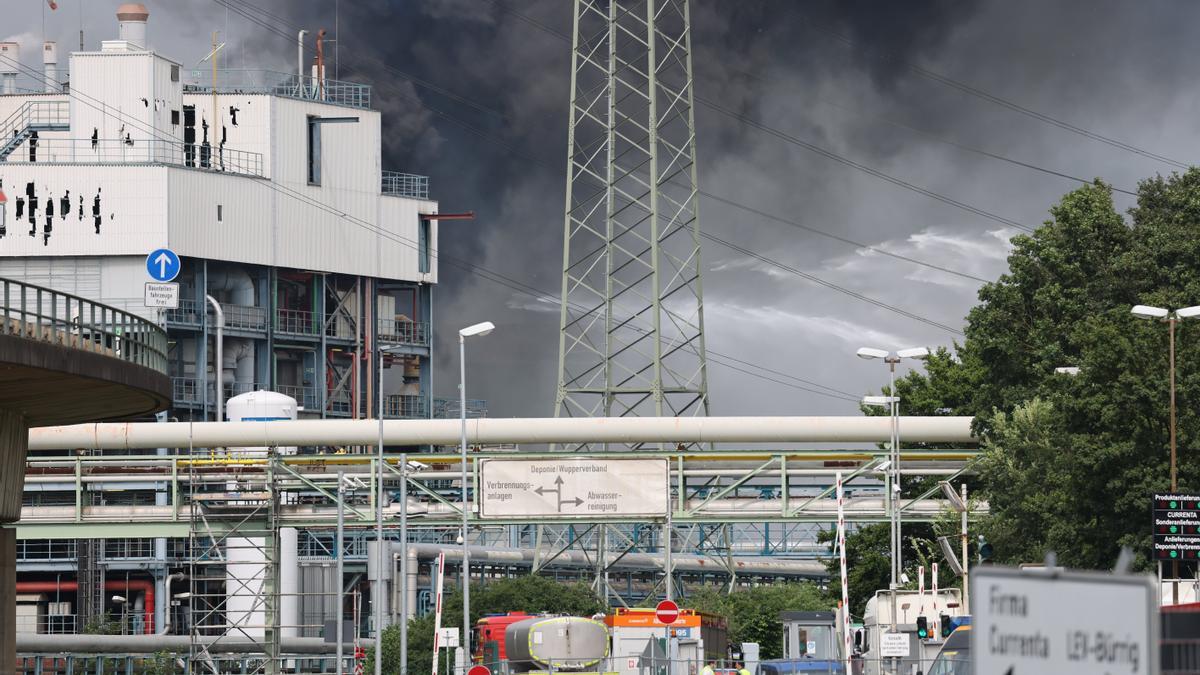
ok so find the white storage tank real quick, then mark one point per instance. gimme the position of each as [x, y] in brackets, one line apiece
[261, 406]
[11, 53]
[246, 569]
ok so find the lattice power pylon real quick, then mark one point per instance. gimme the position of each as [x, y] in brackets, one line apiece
[631, 341]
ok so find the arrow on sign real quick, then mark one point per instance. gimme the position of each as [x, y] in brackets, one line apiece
[163, 261]
[558, 483]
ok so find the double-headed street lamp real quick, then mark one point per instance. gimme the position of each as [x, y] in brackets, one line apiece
[1170, 318]
[893, 401]
[479, 329]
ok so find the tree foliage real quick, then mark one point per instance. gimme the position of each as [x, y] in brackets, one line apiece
[1070, 461]
[753, 613]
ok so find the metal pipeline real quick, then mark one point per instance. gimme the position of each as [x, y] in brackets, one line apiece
[30, 643]
[134, 435]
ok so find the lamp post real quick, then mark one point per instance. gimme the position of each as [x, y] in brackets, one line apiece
[893, 401]
[1170, 317]
[479, 329]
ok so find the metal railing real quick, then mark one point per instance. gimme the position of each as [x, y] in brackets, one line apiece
[33, 116]
[397, 184]
[405, 406]
[297, 322]
[238, 317]
[46, 315]
[404, 332]
[195, 391]
[448, 408]
[277, 83]
[46, 550]
[137, 151]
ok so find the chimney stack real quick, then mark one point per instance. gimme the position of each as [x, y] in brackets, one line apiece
[50, 65]
[131, 24]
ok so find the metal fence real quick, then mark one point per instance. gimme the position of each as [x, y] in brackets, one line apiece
[133, 151]
[46, 315]
[449, 408]
[397, 184]
[277, 83]
[404, 332]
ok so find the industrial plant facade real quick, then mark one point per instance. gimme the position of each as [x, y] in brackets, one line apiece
[271, 189]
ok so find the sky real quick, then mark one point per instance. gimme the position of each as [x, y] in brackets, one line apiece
[475, 95]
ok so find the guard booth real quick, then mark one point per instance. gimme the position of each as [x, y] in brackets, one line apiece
[809, 635]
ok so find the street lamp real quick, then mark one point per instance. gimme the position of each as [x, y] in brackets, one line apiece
[1170, 318]
[477, 330]
[893, 401]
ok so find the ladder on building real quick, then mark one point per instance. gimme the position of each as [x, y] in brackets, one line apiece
[34, 116]
[90, 599]
[234, 566]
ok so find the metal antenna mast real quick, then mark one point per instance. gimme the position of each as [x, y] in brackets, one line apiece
[631, 338]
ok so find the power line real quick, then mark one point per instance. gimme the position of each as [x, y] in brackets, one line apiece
[1006, 103]
[517, 153]
[485, 273]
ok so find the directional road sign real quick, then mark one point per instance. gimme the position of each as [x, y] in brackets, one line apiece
[163, 265]
[572, 487]
[1176, 527]
[666, 612]
[1066, 623]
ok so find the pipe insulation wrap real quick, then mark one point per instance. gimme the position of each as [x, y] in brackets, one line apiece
[135, 435]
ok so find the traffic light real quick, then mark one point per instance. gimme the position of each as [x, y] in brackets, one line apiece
[985, 550]
[922, 628]
[944, 622]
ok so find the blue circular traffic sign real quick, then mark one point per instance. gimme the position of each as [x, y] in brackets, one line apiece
[163, 265]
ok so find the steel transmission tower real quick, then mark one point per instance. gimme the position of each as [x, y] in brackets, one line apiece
[631, 339]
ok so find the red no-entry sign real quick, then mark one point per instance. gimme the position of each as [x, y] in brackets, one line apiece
[666, 612]
[479, 670]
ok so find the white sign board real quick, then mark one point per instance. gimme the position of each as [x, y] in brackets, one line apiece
[448, 638]
[162, 295]
[573, 487]
[894, 644]
[1066, 623]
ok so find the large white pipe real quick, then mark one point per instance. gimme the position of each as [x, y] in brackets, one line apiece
[135, 435]
[50, 66]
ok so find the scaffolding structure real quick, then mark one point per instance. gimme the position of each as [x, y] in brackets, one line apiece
[232, 509]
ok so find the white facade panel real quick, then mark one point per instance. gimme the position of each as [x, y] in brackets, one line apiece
[252, 112]
[110, 211]
[114, 94]
[242, 229]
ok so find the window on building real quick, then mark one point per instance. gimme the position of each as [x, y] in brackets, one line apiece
[174, 73]
[220, 213]
[314, 151]
[175, 117]
[423, 247]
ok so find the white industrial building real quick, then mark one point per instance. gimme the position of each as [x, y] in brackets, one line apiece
[271, 188]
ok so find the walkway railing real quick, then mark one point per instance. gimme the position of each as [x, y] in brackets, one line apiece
[134, 151]
[397, 184]
[404, 332]
[46, 315]
[276, 83]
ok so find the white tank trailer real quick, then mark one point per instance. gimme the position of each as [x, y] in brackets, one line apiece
[555, 643]
[246, 569]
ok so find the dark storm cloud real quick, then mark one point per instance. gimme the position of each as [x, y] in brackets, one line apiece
[1110, 66]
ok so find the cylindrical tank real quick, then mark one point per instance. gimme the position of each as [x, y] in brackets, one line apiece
[10, 57]
[131, 23]
[560, 643]
[261, 406]
[50, 66]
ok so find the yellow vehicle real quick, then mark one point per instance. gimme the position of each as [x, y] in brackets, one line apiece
[955, 657]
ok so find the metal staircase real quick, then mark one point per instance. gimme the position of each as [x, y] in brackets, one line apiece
[34, 116]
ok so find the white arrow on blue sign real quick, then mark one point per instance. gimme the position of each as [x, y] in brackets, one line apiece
[163, 265]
